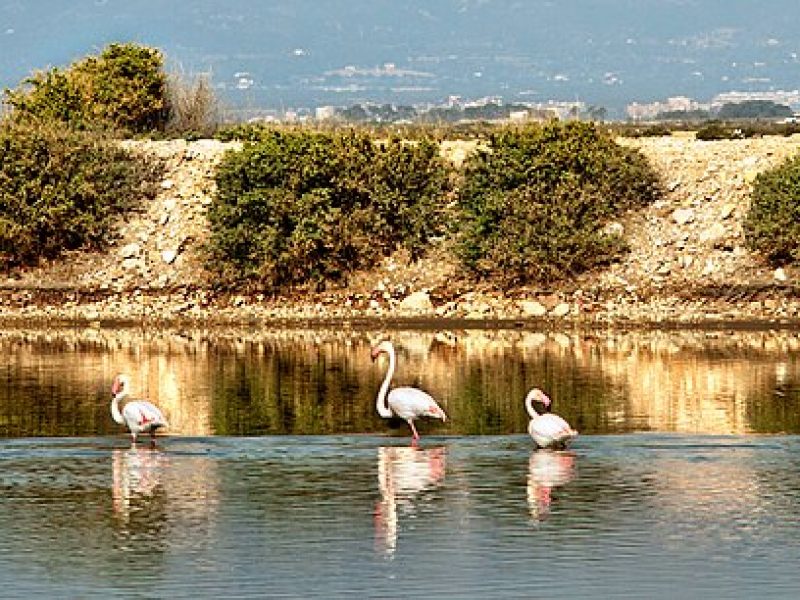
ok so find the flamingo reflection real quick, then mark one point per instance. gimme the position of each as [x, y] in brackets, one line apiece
[136, 473]
[403, 473]
[547, 469]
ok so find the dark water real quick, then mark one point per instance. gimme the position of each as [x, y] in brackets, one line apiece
[684, 483]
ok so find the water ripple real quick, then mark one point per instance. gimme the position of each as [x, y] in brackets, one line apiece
[334, 516]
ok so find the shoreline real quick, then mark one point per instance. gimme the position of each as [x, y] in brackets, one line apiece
[177, 309]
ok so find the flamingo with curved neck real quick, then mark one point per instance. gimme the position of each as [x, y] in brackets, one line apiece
[139, 416]
[546, 429]
[406, 403]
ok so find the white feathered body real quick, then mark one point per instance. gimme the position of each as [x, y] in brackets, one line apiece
[412, 403]
[551, 431]
[139, 416]
[142, 416]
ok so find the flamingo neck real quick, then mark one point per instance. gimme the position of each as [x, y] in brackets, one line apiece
[529, 406]
[380, 402]
[115, 413]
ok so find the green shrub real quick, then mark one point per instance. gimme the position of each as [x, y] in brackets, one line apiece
[533, 206]
[772, 225]
[718, 131]
[653, 130]
[62, 190]
[305, 207]
[123, 88]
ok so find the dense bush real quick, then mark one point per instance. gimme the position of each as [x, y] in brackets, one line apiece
[303, 207]
[772, 225]
[652, 130]
[534, 205]
[61, 189]
[123, 88]
[719, 131]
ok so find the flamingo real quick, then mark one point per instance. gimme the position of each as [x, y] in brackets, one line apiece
[547, 430]
[139, 416]
[408, 403]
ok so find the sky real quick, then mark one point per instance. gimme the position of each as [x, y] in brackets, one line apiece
[307, 53]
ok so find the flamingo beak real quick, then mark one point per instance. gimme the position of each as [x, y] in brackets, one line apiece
[116, 387]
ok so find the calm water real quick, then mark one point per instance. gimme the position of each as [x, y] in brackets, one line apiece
[685, 481]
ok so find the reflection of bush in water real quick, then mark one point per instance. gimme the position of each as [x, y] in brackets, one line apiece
[293, 388]
[322, 381]
[331, 388]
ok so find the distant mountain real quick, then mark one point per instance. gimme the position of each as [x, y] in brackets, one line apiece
[307, 53]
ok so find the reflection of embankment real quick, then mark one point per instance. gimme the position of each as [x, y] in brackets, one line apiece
[229, 380]
[167, 369]
[403, 474]
[700, 386]
[685, 381]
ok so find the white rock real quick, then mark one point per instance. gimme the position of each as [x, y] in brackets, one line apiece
[710, 267]
[664, 269]
[714, 234]
[682, 216]
[614, 228]
[727, 210]
[169, 256]
[130, 250]
[417, 302]
[131, 263]
[532, 308]
[779, 275]
[561, 310]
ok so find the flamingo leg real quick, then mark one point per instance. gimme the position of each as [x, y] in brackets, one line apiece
[413, 430]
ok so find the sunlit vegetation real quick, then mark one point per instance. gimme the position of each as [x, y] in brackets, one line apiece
[772, 225]
[124, 88]
[534, 205]
[299, 208]
[62, 189]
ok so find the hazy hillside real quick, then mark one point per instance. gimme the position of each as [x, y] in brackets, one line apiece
[311, 52]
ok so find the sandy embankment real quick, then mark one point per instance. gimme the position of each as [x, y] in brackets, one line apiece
[688, 262]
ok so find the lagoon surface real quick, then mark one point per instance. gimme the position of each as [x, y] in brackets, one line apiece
[277, 478]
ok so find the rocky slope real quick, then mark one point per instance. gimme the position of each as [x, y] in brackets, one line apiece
[687, 263]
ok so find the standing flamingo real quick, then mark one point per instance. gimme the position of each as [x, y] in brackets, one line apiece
[547, 430]
[139, 416]
[405, 402]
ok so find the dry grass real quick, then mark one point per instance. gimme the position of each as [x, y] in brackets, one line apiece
[194, 107]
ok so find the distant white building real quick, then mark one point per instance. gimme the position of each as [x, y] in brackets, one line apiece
[788, 98]
[643, 112]
[651, 110]
[325, 113]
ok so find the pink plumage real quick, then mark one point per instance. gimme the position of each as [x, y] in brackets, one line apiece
[139, 416]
